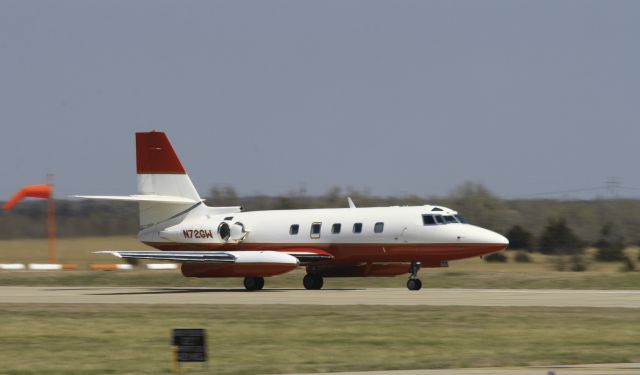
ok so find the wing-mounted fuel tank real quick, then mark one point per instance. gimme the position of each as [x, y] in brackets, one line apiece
[205, 232]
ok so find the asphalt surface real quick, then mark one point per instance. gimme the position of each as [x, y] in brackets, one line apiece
[374, 296]
[600, 369]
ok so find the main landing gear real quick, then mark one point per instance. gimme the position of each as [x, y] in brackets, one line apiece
[254, 283]
[414, 283]
[312, 281]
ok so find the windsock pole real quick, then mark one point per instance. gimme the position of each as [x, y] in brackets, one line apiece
[51, 222]
[40, 191]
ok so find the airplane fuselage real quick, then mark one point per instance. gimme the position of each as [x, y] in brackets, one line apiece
[349, 234]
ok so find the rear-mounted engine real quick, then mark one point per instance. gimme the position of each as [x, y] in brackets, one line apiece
[221, 232]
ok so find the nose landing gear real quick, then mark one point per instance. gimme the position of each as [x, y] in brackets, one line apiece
[414, 283]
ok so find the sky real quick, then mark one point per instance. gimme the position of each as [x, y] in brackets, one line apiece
[391, 97]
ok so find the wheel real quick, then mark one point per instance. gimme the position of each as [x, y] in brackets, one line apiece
[414, 284]
[319, 281]
[253, 283]
[308, 282]
[312, 282]
[260, 282]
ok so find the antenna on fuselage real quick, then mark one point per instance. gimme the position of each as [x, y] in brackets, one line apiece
[351, 204]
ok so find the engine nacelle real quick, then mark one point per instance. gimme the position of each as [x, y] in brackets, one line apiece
[221, 232]
[247, 264]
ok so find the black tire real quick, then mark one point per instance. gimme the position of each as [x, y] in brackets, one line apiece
[252, 283]
[308, 282]
[319, 282]
[414, 284]
[312, 282]
[260, 282]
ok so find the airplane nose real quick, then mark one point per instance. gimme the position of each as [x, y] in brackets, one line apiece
[501, 240]
[490, 238]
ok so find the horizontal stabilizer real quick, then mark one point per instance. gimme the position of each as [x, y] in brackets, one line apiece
[141, 198]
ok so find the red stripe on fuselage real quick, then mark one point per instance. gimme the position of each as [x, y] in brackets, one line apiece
[356, 252]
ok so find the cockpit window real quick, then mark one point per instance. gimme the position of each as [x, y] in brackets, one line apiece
[449, 219]
[428, 220]
[433, 219]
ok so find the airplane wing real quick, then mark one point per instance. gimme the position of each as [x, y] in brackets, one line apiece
[308, 255]
[176, 256]
[301, 256]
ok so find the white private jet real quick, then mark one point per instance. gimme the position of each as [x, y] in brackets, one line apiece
[336, 242]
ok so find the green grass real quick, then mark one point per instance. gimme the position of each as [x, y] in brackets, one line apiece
[133, 339]
[468, 273]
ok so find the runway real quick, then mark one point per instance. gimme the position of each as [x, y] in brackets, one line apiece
[374, 296]
[599, 369]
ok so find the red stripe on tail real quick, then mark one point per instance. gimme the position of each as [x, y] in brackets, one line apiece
[154, 154]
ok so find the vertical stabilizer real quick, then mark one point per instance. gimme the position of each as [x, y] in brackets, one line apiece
[159, 169]
[160, 172]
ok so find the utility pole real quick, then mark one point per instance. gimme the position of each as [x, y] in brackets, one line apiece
[612, 185]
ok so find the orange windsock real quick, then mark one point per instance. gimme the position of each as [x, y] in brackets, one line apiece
[33, 191]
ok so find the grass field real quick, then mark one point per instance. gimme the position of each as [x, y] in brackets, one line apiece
[469, 273]
[134, 339]
[109, 339]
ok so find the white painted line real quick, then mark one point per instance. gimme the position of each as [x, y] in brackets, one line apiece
[162, 266]
[45, 267]
[12, 266]
[124, 267]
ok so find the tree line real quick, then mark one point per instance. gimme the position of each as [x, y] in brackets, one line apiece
[586, 220]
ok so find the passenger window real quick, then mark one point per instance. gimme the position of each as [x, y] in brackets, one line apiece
[357, 228]
[428, 220]
[315, 230]
[378, 228]
[439, 219]
[294, 229]
[335, 228]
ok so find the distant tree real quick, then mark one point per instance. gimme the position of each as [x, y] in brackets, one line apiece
[558, 238]
[574, 262]
[224, 195]
[519, 239]
[495, 257]
[628, 265]
[522, 257]
[476, 203]
[610, 246]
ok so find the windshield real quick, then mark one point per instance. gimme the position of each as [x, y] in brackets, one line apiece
[450, 219]
[432, 219]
